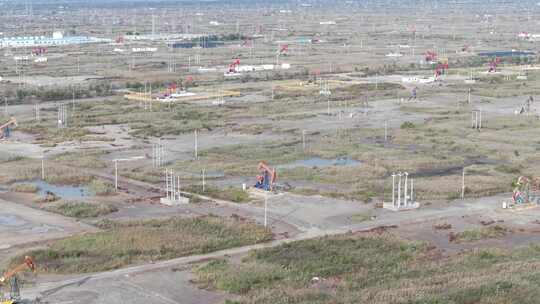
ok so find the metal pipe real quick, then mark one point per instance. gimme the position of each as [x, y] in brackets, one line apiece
[393, 189]
[480, 123]
[399, 189]
[178, 187]
[167, 183]
[405, 196]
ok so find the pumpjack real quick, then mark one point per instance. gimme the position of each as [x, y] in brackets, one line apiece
[267, 179]
[5, 129]
[11, 277]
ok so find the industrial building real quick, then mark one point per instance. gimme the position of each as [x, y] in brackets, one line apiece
[56, 40]
[166, 37]
[193, 44]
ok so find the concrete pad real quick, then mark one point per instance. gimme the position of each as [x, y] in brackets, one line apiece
[165, 286]
[171, 202]
[410, 206]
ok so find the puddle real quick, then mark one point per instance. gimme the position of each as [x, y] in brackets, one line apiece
[44, 229]
[11, 221]
[320, 163]
[68, 192]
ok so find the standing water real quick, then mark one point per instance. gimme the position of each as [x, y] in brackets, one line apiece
[67, 192]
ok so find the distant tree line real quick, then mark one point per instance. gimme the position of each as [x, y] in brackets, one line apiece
[62, 93]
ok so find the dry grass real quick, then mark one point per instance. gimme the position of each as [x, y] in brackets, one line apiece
[56, 172]
[25, 188]
[472, 235]
[80, 209]
[376, 269]
[126, 243]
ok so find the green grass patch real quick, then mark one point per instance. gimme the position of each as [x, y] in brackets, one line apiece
[81, 209]
[295, 264]
[231, 194]
[407, 125]
[376, 269]
[472, 235]
[100, 187]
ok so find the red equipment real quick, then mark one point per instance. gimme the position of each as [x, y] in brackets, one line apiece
[39, 51]
[493, 65]
[440, 69]
[171, 88]
[5, 129]
[431, 56]
[234, 65]
[28, 263]
[268, 177]
[283, 49]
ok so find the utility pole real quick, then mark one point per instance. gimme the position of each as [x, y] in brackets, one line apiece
[463, 184]
[476, 120]
[62, 116]
[36, 112]
[328, 110]
[196, 145]
[167, 182]
[116, 168]
[399, 189]
[405, 196]
[158, 154]
[394, 189]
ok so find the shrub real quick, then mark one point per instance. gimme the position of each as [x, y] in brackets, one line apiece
[25, 188]
[407, 125]
[81, 209]
[100, 187]
[125, 243]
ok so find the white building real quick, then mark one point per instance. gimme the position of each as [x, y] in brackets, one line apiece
[56, 40]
